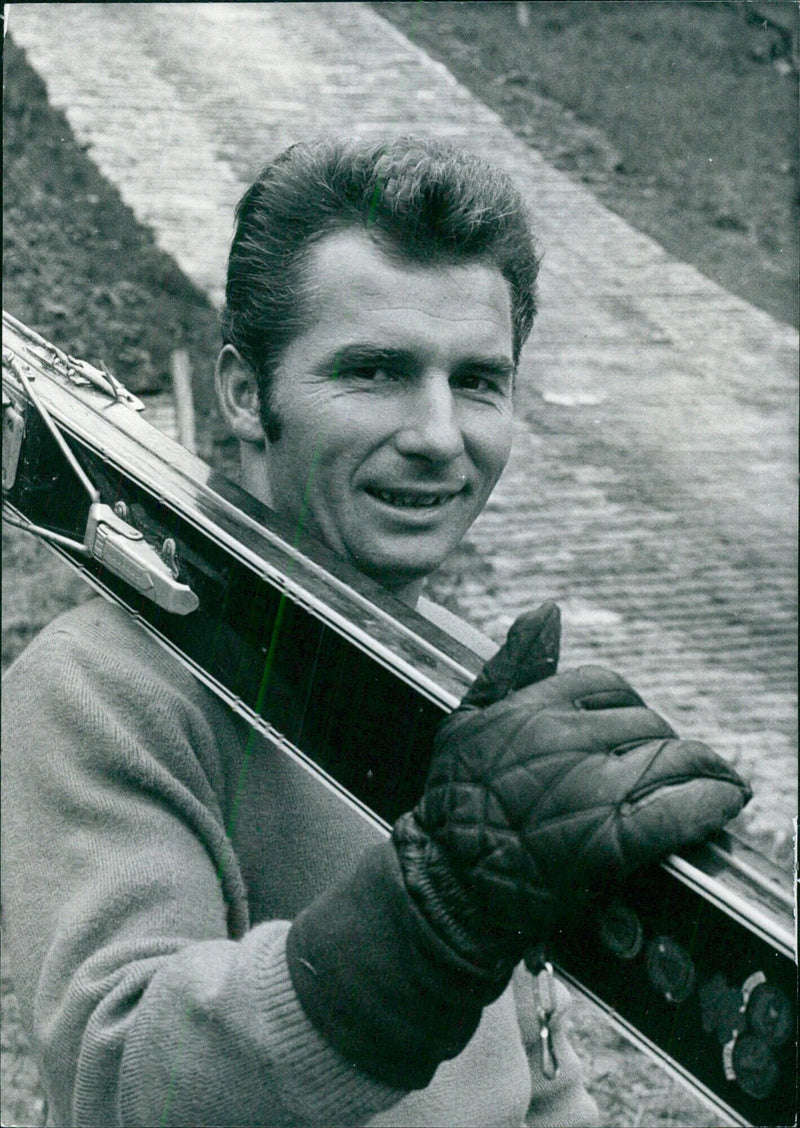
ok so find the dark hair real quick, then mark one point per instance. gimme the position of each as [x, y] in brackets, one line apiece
[423, 200]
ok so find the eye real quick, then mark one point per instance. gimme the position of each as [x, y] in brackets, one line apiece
[475, 381]
[370, 372]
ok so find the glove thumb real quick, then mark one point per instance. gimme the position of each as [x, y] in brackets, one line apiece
[529, 654]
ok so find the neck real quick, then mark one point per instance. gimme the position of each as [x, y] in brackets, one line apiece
[407, 593]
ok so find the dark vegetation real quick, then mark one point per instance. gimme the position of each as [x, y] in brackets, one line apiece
[681, 117]
[76, 264]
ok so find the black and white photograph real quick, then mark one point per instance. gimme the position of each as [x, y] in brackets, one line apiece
[399, 574]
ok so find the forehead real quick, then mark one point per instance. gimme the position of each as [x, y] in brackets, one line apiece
[354, 288]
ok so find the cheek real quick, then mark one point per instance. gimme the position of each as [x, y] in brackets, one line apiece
[303, 444]
[328, 456]
[491, 445]
[328, 421]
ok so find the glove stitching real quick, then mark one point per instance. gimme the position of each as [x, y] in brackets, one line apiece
[649, 789]
[636, 742]
[631, 701]
[593, 832]
[554, 785]
[646, 768]
[451, 725]
[488, 764]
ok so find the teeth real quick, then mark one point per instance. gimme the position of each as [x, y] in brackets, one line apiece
[410, 501]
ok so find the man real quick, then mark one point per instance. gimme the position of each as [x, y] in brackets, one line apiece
[200, 935]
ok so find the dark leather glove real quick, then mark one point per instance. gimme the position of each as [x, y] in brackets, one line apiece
[543, 793]
[541, 789]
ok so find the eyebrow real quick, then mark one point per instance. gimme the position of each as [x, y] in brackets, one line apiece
[366, 353]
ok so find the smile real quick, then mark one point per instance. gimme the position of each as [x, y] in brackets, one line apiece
[411, 500]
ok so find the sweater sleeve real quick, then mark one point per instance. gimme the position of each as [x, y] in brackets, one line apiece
[125, 914]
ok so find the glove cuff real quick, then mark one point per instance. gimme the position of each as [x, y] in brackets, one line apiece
[456, 914]
[379, 983]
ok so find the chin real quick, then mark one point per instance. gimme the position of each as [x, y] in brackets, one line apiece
[400, 569]
[401, 577]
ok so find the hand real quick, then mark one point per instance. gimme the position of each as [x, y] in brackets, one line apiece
[543, 791]
[543, 788]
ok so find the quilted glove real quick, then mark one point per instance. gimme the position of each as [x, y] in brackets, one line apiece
[543, 788]
[546, 790]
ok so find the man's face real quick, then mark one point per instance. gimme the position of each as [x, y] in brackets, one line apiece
[395, 407]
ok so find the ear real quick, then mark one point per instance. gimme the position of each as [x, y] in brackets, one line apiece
[237, 392]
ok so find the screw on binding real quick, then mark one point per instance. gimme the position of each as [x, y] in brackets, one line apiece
[109, 537]
[168, 555]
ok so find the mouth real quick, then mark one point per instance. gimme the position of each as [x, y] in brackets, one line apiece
[401, 499]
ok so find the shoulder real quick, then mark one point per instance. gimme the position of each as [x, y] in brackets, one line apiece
[96, 621]
[94, 680]
[99, 641]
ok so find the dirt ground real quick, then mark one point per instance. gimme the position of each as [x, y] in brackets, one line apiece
[81, 270]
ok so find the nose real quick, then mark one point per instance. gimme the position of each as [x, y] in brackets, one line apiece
[431, 428]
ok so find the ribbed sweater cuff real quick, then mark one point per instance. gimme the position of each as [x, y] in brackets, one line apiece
[378, 983]
[316, 1081]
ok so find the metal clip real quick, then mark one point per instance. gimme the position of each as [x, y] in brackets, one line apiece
[124, 551]
[545, 1000]
[13, 432]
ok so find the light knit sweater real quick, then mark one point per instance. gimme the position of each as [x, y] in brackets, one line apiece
[154, 855]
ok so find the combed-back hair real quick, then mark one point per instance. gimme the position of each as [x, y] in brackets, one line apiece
[424, 201]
